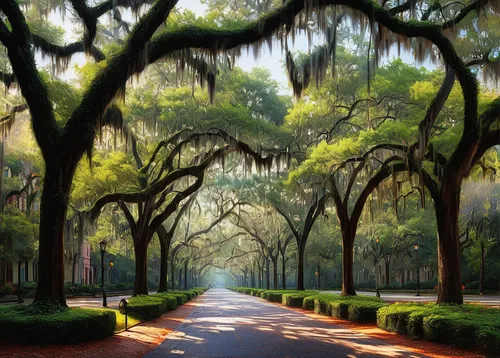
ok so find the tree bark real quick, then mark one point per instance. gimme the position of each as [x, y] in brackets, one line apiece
[268, 284]
[347, 262]
[180, 279]
[76, 260]
[185, 275]
[259, 274]
[387, 271]
[164, 248]
[172, 273]
[319, 275]
[449, 273]
[301, 253]
[481, 270]
[275, 272]
[53, 208]
[283, 271]
[141, 268]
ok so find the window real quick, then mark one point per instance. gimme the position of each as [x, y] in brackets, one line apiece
[23, 273]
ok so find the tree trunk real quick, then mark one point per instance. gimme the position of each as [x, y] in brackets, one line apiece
[275, 272]
[53, 208]
[319, 275]
[301, 256]
[283, 271]
[73, 273]
[347, 262]
[259, 278]
[268, 286]
[481, 270]
[2, 170]
[180, 279]
[185, 275]
[172, 273]
[164, 248]
[449, 275]
[387, 272]
[252, 277]
[141, 267]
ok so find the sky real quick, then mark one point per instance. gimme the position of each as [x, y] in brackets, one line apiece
[273, 61]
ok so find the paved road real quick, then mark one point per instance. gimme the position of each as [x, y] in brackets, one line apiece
[487, 300]
[228, 324]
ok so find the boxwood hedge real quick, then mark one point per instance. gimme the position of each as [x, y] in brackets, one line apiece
[465, 326]
[49, 323]
[353, 308]
[296, 298]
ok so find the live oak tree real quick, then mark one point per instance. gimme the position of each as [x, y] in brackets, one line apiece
[268, 237]
[300, 222]
[63, 144]
[165, 182]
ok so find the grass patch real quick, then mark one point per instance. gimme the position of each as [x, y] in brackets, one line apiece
[464, 326]
[120, 321]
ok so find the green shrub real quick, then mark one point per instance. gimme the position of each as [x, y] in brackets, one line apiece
[189, 294]
[121, 286]
[28, 287]
[181, 297]
[429, 284]
[46, 322]
[474, 285]
[199, 290]
[353, 308]
[296, 299]
[274, 296]
[203, 289]
[171, 300]
[6, 290]
[411, 285]
[145, 308]
[466, 326]
[364, 311]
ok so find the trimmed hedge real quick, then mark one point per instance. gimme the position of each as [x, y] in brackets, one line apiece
[146, 307]
[189, 294]
[49, 323]
[199, 290]
[296, 299]
[171, 300]
[181, 297]
[465, 326]
[353, 308]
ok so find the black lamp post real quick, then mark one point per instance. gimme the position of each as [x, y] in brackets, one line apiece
[416, 247]
[102, 245]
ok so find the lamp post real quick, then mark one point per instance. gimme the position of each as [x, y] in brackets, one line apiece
[102, 245]
[416, 247]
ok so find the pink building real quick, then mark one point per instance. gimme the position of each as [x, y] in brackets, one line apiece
[87, 272]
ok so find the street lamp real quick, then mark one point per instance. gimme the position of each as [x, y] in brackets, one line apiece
[102, 245]
[416, 247]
